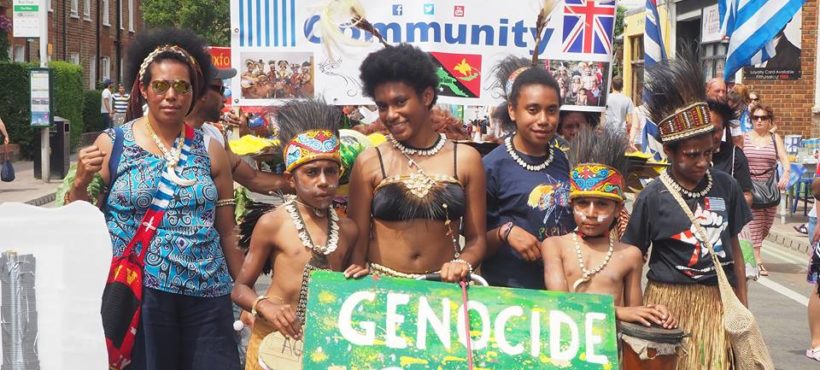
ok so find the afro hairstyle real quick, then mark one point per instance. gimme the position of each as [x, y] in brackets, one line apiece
[403, 63]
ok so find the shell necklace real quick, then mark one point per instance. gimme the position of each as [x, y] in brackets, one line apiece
[533, 168]
[437, 146]
[687, 193]
[171, 155]
[304, 235]
[586, 275]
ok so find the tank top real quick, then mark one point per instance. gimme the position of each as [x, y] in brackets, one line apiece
[185, 256]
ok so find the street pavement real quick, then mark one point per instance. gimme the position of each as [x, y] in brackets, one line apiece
[780, 303]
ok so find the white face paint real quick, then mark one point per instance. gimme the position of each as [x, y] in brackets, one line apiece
[584, 217]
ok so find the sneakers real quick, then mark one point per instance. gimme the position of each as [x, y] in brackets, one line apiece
[813, 353]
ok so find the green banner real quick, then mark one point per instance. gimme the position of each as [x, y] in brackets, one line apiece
[26, 8]
[381, 323]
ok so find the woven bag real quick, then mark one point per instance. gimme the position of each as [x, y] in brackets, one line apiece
[750, 352]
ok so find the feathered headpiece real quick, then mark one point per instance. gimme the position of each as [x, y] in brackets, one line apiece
[598, 164]
[677, 98]
[309, 130]
[335, 15]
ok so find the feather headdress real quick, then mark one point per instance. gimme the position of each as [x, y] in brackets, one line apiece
[677, 98]
[547, 6]
[598, 164]
[337, 15]
[309, 130]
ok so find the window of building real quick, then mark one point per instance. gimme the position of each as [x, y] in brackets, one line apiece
[105, 68]
[636, 45]
[87, 10]
[713, 59]
[50, 8]
[19, 54]
[106, 16]
[74, 58]
[131, 15]
[121, 10]
[75, 10]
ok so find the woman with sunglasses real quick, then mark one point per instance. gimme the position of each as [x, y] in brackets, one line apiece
[187, 319]
[764, 149]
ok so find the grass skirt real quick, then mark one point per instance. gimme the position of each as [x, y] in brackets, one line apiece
[261, 329]
[700, 313]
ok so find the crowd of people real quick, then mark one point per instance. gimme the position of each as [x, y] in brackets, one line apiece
[545, 209]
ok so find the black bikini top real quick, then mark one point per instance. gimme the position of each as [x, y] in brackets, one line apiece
[414, 196]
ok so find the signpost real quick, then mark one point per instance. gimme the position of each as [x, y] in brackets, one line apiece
[30, 20]
[390, 323]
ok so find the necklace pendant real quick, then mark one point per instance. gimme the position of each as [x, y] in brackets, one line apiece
[578, 283]
[419, 185]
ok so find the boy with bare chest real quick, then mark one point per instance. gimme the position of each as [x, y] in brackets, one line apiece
[301, 235]
[591, 259]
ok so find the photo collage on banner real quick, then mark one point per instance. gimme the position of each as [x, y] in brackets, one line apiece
[280, 55]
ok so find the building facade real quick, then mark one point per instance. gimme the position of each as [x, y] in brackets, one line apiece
[90, 33]
[795, 100]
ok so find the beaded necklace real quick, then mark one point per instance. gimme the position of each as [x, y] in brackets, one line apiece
[586, 275]
[171, 155]
[529, 167]
[437, 146]
[687, 193]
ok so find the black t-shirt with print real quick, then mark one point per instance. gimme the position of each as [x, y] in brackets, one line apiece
[677, 254]
[738, 166]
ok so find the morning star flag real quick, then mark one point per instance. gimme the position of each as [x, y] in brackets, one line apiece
[654, 52]
[751, 26]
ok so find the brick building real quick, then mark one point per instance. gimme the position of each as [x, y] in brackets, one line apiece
[90, 33]
[796, 102]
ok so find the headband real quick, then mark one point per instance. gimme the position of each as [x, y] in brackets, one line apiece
[687, 122]
[169, 48]
[511, 80]
[310, 146]
[597, 181]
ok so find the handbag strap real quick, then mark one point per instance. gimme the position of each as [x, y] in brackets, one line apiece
[162, 198]
[704, 239]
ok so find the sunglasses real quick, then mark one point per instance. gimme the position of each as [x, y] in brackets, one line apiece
[162, 86]
[755, 99]
[760, 118]
[218, 88]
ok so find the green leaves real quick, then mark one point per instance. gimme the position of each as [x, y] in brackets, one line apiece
[210, 19]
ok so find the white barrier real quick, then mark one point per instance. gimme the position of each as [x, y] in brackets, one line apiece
[73, 252]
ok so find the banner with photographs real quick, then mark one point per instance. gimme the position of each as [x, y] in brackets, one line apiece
[465, 42]
[785, 65]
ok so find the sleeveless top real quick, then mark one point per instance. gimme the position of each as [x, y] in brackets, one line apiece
[185, 256]
[394, 198]
[762, 161]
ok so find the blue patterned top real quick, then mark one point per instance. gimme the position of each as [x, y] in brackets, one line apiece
[185, 255]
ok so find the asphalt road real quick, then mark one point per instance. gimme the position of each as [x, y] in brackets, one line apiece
[779, 303]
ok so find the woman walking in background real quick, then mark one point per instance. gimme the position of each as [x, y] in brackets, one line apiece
[764, 149]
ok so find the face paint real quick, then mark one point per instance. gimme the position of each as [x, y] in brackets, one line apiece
[584, 217]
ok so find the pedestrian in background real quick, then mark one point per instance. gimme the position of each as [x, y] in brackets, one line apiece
[619, 107]
[4, 132]
[120, 105]
[107, 104]
[763, 149]
[814, 273]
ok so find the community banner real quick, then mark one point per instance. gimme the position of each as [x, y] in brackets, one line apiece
[388, 323]
[276, 46]
[785, 64]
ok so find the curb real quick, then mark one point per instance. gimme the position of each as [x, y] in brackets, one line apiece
[41, 201]
[797, 244]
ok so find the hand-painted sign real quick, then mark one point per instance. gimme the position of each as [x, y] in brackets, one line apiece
[465, 41]
[388, 323]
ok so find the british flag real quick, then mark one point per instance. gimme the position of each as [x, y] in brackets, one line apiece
[588, 26]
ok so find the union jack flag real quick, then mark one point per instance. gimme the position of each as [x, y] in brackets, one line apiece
[588, 26]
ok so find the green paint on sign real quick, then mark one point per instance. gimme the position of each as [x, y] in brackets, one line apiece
[398, 323]
[26, 8]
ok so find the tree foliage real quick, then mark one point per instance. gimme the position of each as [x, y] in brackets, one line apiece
[208, 18]
[620, 13]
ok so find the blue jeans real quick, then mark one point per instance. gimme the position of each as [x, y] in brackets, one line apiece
[106, 118]
[179, 332]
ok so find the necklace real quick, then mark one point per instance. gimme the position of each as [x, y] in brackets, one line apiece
[586, 275]
[687, 193]
[437, 146]
[171, 155]
[304, 235]
[534, 168]
[316, 211]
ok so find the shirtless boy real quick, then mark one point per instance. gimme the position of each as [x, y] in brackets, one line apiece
[591, 259]
[303, 231]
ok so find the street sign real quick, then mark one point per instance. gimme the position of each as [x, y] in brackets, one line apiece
[26, 18]
[41, 102]
[389, 323]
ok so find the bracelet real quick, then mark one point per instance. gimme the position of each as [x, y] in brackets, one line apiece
[256, 302]
[226, 202]
[508, 229]
[459, 260]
